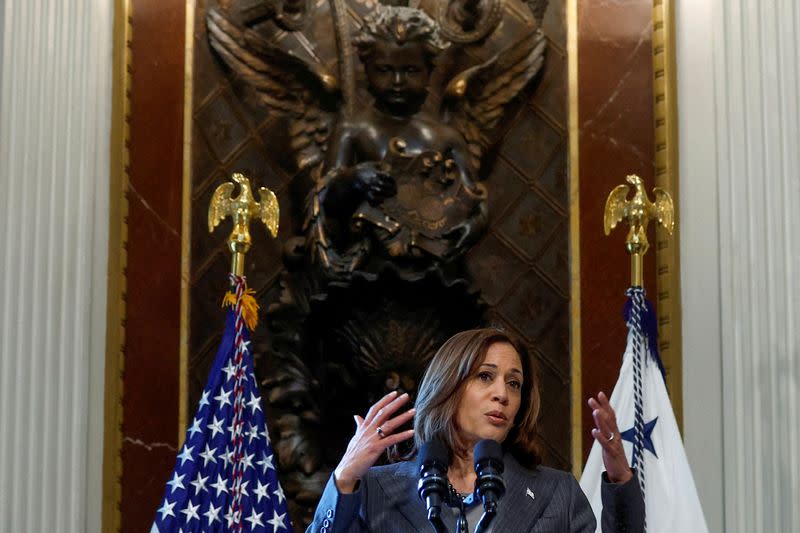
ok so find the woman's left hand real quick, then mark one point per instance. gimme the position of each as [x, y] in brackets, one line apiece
[607, 434]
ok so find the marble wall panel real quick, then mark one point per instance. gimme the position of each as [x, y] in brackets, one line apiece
[615, 108]
[150, 391]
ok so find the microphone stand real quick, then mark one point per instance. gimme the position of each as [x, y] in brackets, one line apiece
[486, 519]
[461, 523]
[436, 521]
[438, 525]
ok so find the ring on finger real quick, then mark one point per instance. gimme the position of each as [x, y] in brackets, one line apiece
[381, 434]
[610, 437]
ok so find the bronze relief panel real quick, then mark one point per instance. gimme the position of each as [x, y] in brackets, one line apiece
[419, 155]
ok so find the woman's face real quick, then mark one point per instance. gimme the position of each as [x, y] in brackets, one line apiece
[491, 396]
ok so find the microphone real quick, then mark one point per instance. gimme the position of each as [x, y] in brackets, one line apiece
[489, 484]
[432, 487]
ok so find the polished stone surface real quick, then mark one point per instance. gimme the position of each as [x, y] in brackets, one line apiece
[615, 70]
[152, 326]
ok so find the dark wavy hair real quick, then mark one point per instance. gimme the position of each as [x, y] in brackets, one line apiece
[443, 384]
[398, 25]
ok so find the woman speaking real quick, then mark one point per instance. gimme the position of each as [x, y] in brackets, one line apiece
[480, 385]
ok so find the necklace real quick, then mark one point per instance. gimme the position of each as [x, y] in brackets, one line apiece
[458, 500]
[453, 492]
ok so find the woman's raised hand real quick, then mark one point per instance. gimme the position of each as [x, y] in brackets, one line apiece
[374, 433]
[607, 434]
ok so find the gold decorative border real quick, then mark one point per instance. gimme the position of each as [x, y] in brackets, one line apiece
[574, 239]
[186, 221]
[665, 95]
[117, 262]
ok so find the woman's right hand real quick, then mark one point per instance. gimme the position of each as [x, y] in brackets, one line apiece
[368, 443]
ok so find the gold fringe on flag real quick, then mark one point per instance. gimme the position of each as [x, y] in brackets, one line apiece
[249, 306]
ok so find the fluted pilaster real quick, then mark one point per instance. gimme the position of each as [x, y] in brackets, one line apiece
[55, 105]
[740, 181]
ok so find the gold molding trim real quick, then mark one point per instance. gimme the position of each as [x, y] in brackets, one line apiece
[665, 108]
[576, 405]
[117, 262]
[186, 221]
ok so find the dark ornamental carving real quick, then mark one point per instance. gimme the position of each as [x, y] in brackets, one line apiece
[390, 194]
[467, 21]
[289, 15]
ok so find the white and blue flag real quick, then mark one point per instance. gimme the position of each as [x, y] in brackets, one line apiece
[650, 434]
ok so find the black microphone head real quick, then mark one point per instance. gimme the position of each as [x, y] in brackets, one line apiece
[486, 451]
[489, 468]
[434, 452]
[433, 460]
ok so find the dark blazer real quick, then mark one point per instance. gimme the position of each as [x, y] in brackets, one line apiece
[541, 500]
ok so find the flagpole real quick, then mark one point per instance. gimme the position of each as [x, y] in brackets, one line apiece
[638, 212]
[642, 407]
[215, 482]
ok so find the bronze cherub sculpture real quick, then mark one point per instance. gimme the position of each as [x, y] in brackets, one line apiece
[395, 166]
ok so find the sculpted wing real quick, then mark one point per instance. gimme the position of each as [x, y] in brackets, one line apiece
[269, 212]
[665, 211]
[476, 98]
[304, 90]
[220, 205]
[615, 207]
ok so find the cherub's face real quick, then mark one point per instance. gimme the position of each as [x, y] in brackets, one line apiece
[398, 77]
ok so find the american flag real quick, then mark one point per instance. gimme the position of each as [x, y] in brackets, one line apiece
[224, 477]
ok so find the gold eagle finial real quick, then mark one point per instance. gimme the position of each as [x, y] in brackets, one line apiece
[242, 210]
[638, 211]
